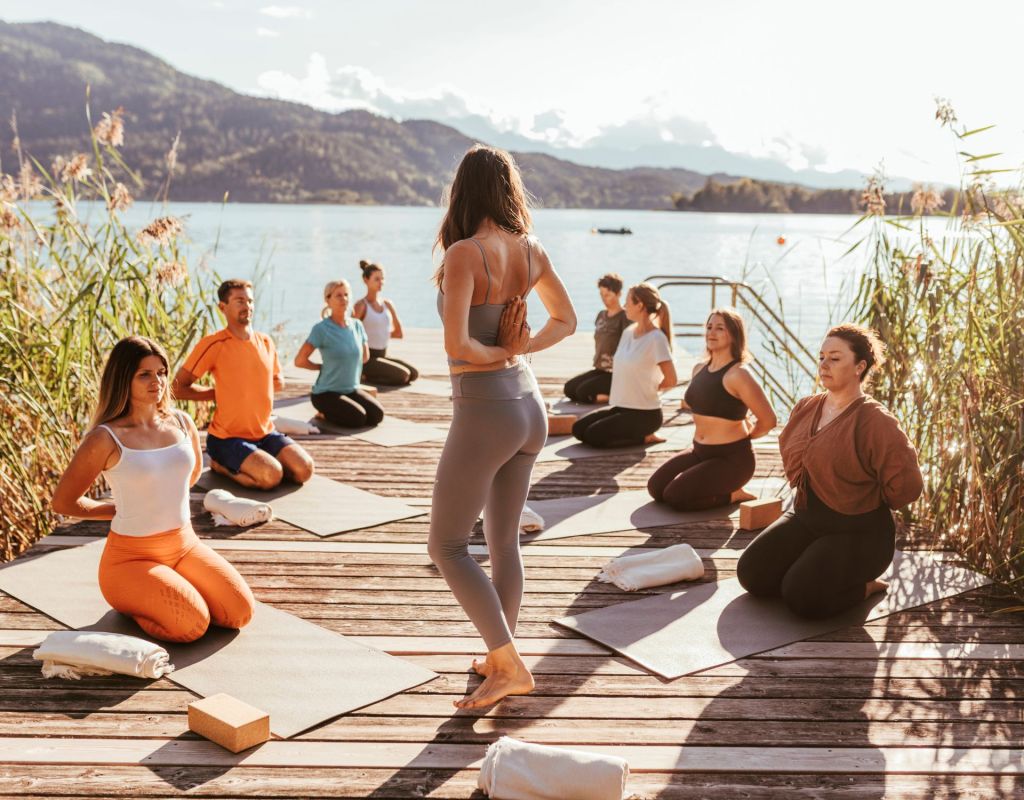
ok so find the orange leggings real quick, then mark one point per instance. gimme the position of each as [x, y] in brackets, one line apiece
[173, 585]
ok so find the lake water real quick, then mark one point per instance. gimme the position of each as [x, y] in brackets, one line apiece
[295, 249]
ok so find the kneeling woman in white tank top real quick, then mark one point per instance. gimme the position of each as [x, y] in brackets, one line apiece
[642, 367]
[153, 568]
[380, 319]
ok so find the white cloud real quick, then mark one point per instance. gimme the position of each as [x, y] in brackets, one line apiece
[286, 12]
[267, 33]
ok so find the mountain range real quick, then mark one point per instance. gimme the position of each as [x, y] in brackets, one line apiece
[262, 150]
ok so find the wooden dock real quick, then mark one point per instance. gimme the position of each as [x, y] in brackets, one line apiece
[922, 704]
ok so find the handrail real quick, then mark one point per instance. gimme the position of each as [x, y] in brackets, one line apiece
[743, 295]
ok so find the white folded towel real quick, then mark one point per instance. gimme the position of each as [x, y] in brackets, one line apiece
[677, 563]
[72, 654]
[514, 770]
[293, 427]
[230, 510]
[530, 521]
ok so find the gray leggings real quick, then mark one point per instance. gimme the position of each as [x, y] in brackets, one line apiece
[498, 428]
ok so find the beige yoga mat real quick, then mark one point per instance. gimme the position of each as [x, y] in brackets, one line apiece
[625, 511]
[568, 448]
[298, 672]
[429, 386]
[709, 624]
[321, 505]
[392, 431]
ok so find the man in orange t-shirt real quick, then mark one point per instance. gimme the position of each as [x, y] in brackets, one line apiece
[241, 440]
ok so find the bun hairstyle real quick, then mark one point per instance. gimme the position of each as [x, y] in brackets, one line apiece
[368, 268]
[487, 185]
[115, 398]
[646, 294]
[865, 344]
[611, 281]
[737, 332]
[328, 289]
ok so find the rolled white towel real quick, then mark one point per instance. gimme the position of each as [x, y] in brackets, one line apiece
[293, 427]
[230, 510]
[530, 521]
[677, 563]
[72, 654]
[515, 770]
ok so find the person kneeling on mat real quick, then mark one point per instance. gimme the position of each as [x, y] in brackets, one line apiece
[850, 463]
[344, 349]
[380, 319]
[153, 567]
[241, 441]
[721, 393]
[641, 369]
[595, 385]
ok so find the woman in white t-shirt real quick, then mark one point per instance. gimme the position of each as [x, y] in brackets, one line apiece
[642, 368]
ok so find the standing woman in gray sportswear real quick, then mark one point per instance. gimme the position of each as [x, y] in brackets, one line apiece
[499, 425]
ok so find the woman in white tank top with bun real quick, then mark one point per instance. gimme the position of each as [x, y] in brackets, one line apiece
[153, 567]
[380, 319]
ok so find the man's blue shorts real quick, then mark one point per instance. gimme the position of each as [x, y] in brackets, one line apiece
[230, 453]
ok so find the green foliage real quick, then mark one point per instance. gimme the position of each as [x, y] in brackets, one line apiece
[951, 310]
[69, 290]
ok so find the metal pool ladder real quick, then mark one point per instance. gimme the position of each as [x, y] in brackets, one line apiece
[777, 337]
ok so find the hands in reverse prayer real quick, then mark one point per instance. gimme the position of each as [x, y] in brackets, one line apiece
[513, 329]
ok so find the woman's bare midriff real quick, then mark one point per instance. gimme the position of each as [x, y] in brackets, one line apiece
[505, 364]
[715, 430]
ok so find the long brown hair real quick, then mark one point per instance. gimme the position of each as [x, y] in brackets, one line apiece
[116, 384]
[737, 332]
[646, 294]
[487, 185]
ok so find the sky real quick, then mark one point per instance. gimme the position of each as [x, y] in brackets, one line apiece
[799, 90]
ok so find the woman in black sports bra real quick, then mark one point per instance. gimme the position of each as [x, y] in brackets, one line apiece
[722, 395]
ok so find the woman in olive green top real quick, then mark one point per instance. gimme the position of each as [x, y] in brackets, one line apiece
[595, 386]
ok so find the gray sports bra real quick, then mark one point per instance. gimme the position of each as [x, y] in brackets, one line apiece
[484, 318]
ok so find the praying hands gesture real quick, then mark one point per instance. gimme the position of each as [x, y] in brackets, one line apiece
[513, 329]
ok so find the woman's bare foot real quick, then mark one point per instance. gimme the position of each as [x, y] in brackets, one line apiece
[504, 674]
[741, 496]
[874, 587]
[600, 398]
[653, 438]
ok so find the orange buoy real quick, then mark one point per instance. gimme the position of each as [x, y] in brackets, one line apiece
[781, 240]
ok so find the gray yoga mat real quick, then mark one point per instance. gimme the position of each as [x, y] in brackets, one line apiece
[709, 624]
[391, 432]
[568, 448]
[321, 505]
[625, 511]
[298, 672]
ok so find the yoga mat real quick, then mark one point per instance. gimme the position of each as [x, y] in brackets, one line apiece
[430, 386]
[625, 511]
[709, 624]
[557, 448]
[392, 431]
[321, 505]
[298, 672]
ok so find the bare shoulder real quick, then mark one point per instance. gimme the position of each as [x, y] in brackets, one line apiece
[698, 366]
[739, 373]
[98, 443]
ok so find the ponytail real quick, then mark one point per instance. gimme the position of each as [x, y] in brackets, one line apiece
[650, 297]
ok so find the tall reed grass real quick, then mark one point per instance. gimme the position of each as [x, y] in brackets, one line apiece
[951, 309]
[73, 281]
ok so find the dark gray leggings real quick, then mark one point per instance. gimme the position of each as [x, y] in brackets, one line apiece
[498, 428]
[384, 371]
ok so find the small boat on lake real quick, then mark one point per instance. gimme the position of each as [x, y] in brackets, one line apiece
[618, 231]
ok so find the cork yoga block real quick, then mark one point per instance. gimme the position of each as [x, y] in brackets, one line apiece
[756, 514]
[561, 424]
[232, 724]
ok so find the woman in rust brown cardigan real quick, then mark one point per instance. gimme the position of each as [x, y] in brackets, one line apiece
[850, 463]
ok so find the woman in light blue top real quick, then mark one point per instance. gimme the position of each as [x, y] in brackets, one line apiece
[344, 349]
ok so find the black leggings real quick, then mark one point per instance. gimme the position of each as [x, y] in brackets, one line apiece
[704, 476]
[817, 559]
[388, 371]
[617, 427]
[353, 410]
[586, 387]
